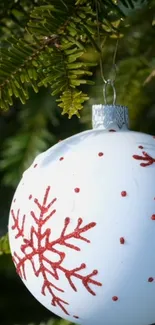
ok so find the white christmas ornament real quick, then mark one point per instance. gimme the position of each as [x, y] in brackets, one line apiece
[82, 224]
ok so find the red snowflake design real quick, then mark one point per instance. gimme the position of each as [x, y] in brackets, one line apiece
[147, 158]
[46, 266]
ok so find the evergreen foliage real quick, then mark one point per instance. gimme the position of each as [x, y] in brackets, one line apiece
[50, 52]
[52, 47]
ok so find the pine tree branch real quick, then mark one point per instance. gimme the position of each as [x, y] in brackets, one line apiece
[14, 15]
[51, 53]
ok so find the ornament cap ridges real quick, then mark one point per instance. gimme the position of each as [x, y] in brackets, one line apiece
[107, 116]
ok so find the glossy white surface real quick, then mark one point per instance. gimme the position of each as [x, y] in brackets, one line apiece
[114, 196]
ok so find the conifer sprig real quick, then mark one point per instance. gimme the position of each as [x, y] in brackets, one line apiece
[51, 53]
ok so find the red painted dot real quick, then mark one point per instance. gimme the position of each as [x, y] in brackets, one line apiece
[122, 240]
[100, 154]
[30, 197]
[95, 272]
[83, 266]
[114, 298]
[14, 200]
[61, 158]
[35, 165]
[112, 130]
[150, 279]
[76, 316]
[153, 217]
[77, 190]
[124, 193]
[153, 136]
[140, 147]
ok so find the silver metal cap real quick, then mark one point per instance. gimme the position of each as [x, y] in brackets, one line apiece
[107, 116]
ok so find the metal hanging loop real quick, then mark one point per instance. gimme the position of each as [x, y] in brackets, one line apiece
[112, 74]
[110, 83]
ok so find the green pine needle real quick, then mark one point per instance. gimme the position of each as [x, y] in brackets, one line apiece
[71, 102]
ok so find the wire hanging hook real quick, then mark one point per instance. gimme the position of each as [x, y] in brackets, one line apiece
[113, 69]
[109, 81]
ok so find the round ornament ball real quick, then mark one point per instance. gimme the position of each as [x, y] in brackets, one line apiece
[82, 224]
